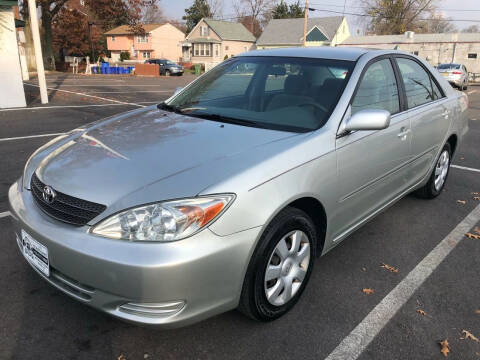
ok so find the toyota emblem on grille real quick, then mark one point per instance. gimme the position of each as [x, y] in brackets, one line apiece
[48, 194]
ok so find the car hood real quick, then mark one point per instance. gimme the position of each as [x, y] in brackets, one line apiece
[129, 153]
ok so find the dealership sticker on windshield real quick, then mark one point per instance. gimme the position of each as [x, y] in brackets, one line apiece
[35, 253]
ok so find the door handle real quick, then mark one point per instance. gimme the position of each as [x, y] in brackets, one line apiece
[403, 133]
[445, 114]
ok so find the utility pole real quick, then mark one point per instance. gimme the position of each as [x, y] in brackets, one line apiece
[305, 24]
[32, 10]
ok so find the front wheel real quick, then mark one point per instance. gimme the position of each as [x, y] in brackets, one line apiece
[280, 266]
[167, 72]
[439, 175]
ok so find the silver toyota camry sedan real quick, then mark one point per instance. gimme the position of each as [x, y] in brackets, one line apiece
[223, 196]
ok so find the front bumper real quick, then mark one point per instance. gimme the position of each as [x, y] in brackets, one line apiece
[166, 284]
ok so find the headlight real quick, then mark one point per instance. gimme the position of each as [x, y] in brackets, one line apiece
[164, 221]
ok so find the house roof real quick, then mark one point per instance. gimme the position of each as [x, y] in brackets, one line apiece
[417, 38]
[126, 30]
[290, 31]
[230, 30]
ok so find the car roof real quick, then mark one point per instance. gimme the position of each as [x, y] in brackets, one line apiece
[321, 52]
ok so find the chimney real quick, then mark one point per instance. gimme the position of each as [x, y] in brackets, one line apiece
[409, 34]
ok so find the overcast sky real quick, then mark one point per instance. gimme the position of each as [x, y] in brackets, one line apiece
[456, 9]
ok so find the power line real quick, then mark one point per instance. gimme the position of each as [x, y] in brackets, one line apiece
[391, 17]
[367, 7]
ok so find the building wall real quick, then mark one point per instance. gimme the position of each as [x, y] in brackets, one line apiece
[227, 47]
[11, 88]
[343, 33]
[437, 53]
[166, 42]
[121, 43]
[195, 33]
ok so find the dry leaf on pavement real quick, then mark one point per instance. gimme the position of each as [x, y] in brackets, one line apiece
[476, 198]
[474, 193]
[445, 347]
[472, 236]
[122, 357]
[476, 230]
[463, 202]
[368, 291]
[389, 268]
[469, 335]
[477, 312]
[421, 312]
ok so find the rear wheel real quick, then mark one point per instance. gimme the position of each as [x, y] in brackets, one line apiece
[439, 175]
[280, 266]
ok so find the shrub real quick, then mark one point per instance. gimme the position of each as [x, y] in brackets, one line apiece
[225, 57]
[124, 55]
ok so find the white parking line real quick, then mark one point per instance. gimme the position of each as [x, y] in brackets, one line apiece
[31, 136]
[4, 214]
[362, 335]
[63, 106]
[74, 106]
[111, 85]
[92, 96]
[465, 168]
[130, 92]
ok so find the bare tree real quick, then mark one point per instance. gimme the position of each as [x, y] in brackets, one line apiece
[437, 24]
[397, 16]
[152, 14]
[216, 7]
[258, 11]
[471, 29]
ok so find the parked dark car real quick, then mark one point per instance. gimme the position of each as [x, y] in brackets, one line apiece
[167, 67]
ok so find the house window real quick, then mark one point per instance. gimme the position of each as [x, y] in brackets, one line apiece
[142, 38]
[226, 48]
[415, 53]
[472, 55]
[202, 49]
[146, 54]
[203, 30]
[217, 50]
[113, 38]
[245, 48]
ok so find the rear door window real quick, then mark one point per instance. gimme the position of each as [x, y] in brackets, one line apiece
[378, 89]
[418, 85]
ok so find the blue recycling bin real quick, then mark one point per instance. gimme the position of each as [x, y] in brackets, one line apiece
[95, 69]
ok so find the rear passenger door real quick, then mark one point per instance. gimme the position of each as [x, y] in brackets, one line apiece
[373, 166]
[429, 114]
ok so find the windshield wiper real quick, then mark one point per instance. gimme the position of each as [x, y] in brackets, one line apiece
[172, 108]
[228, 119]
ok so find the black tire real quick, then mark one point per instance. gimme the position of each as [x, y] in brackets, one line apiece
[167, 72]
[253, 301]
[429, 191]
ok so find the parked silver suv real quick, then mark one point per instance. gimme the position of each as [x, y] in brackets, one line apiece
[455, 74]
[223, 196]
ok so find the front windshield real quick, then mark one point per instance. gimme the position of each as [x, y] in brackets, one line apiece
[168, 62]
[284, 93]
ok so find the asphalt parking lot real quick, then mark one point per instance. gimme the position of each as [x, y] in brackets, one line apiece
[334, 319]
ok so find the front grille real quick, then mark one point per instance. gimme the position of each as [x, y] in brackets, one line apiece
[64, 207]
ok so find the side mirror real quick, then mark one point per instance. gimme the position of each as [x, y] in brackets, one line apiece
[374, 119]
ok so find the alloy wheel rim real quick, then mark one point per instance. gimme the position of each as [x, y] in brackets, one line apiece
[287, 267]
[441, 170]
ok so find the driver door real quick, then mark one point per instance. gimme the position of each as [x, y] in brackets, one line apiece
[372, 166]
